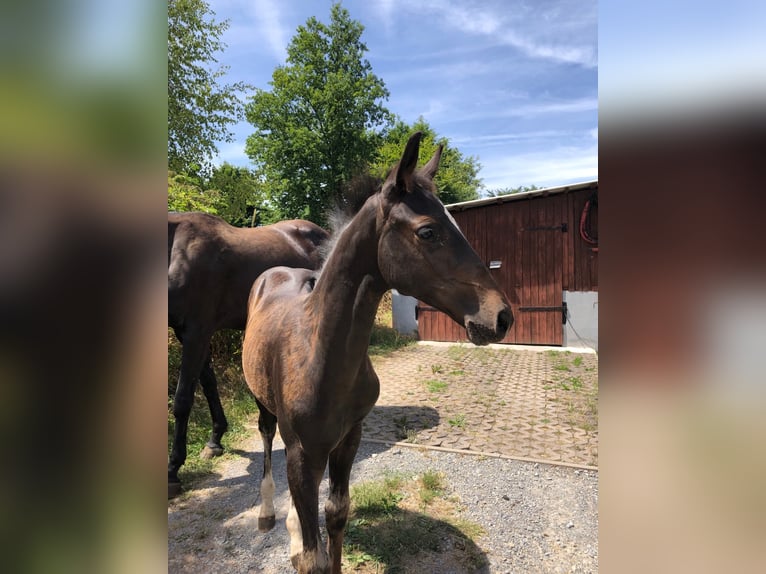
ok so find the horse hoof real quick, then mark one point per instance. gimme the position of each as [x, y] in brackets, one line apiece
[266, 523]
[210, 452]
[174, 489]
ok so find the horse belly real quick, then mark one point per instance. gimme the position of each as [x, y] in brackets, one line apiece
[271, 356]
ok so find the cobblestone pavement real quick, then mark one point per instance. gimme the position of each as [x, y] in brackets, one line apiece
[541, 405]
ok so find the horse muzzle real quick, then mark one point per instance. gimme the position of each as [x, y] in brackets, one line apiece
[482, 332]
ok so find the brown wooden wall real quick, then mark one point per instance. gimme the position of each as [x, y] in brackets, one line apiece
[539, 263]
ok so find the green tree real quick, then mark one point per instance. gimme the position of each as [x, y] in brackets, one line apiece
[200, 110]
[185, 193]
[317, 127]
[457, 179]
[240, 193]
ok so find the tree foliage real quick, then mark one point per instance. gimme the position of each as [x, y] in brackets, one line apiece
[200, 110]
[230, 192]
[240, 191]
[185, 193]
[318, 126]
[457, 179]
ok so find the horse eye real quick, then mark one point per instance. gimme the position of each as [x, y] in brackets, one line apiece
[426, 233]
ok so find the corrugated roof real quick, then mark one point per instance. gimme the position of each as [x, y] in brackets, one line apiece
[463, 205]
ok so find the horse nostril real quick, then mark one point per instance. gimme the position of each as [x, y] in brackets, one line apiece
[504, 321]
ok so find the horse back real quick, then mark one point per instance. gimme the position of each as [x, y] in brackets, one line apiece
[280, 286]
[295, 243]
[212, 265]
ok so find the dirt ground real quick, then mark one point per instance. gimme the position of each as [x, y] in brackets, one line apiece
[531, 517]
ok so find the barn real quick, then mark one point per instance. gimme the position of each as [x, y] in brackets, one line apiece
[542, 248]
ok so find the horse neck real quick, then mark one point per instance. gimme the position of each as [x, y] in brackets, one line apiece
[350, 287]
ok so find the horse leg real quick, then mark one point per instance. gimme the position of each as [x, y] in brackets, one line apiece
[307, 555]
[192, 358]
[337, 505]
[267, 424]
[220, 424]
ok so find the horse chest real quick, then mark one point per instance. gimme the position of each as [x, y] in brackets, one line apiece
[332, 404]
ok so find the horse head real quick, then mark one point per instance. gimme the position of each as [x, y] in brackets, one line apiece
[423, 253]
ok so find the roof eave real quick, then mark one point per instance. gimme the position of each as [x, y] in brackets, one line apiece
[463, 205]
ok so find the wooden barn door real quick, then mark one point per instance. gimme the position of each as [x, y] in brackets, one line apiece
[539, 278]
[528, 239]
[433, 325]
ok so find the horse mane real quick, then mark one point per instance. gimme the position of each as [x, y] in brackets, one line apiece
[354, 195]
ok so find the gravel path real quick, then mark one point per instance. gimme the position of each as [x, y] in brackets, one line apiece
[537, 517]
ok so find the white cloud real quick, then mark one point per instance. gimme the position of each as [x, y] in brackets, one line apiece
[498, 139]
[574, 54]
[435, 108]
[532, 110]
[470, 20]
[560, 31]
[547, 168]
[385, 10]
[257, 25]
[544, 108]
[267, 13]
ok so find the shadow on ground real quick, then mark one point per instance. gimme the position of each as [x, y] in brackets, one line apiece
[399, 418]
[216, 520]
[411, 542]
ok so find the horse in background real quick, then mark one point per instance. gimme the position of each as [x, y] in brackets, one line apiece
[305, 348]
[211, 269]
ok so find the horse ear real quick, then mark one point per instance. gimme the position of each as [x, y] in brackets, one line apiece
[402, 172]
[433, 164]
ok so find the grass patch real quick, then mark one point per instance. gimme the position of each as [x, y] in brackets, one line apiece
[481, 355]
[573, 389]
[576, 382]
[458, 421]
[404, 431]
[411, 436]
[236, 399]
[456, 353]
[379, 498]
[435, 385]
[385, 340]
[431, 486]
[391, 529]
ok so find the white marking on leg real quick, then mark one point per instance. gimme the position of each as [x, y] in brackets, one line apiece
[267, 496]
[294, 528]
[316, 561]
[304, 562]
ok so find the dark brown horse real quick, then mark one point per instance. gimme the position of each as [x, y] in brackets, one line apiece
[211, 269]
[305, 347]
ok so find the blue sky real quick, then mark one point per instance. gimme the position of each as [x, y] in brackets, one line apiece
[680, 57]
[512, 83]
